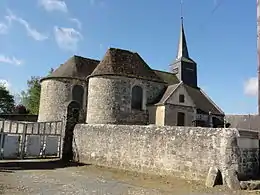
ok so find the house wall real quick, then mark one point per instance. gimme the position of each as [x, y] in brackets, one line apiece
[173, 106]
[55, 97]
[174, 98]
[248, 144]
[152, 114]
[160, 115]
[171, 112]
[109, 100]
[186, 152]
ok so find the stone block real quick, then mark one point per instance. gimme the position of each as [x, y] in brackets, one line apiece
[231, 180]
[250, 185]
[214, 177]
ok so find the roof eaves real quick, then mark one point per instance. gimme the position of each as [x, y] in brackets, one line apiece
[164, 101]
[178, 85]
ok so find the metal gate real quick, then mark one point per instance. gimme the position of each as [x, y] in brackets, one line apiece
[23, 140]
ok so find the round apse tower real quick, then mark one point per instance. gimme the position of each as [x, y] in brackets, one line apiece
[65, 84]
[110, 89]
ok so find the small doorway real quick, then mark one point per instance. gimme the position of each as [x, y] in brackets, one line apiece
[71, 120]
[180, 119]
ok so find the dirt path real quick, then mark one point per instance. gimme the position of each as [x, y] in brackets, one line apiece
[92, 180]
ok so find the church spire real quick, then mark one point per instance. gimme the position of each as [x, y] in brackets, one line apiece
[184, 67]
[182, 46]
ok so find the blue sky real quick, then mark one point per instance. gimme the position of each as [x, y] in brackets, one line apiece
[37, 35]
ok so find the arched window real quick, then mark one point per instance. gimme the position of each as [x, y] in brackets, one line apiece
[78, 94]
[137, 98]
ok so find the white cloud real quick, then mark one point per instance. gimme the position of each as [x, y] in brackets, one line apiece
[3, 28]
[251, 86]
[36, 35]
[10, 60]
[67, 38]
[54, 5]
[5, 83]
[77, 22]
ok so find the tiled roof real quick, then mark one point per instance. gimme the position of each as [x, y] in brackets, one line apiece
[76, 67]
[202, 101]
[170, 89]
[125, 63]
[250, 122]
[167, 77]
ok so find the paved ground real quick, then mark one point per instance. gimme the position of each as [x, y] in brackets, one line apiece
[52, 178]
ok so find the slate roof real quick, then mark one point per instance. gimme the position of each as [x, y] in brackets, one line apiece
[200, 99]
[76, 67]
[182, 46]
[167, 77]
[250, 122]
[125, 63]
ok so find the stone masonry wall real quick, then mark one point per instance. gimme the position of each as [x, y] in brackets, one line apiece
[109, 100]
[55, 97]
[248, 144]
[187, 152]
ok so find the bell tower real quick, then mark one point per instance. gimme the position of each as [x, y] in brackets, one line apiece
[183, 66]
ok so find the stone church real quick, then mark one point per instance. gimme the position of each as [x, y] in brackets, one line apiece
[122, 89]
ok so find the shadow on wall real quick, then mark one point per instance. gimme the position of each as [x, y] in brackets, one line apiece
[251, 122]
[20, 117]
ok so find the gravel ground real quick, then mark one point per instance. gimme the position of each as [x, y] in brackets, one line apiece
[51, 178]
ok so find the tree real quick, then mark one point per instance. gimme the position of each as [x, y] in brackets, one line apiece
[20, 109]
[31, 97]
[6, 101]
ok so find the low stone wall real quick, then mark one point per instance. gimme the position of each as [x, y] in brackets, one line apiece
[19, 117]
[186, 152]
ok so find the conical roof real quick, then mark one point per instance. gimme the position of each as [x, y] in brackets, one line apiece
[125, 63]
[182, 51]
[75, 67]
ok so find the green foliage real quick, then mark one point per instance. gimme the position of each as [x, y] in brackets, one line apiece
[6, 101]
[31, 97]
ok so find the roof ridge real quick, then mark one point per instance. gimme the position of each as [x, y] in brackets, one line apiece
[126, 63]
[86, 58]
[211, 101]
[178, 85]
[163, 71]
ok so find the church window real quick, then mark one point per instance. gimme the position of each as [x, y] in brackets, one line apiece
[137, 98]
[181, 98]
[78, 94]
